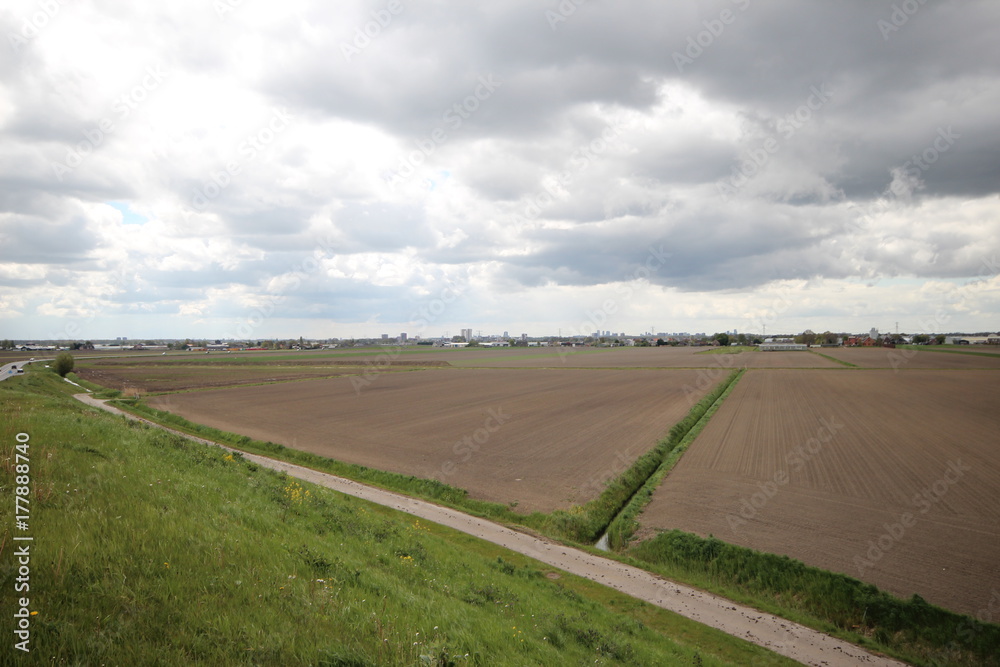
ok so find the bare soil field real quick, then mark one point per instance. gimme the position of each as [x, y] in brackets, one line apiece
[903, 359]
[544, 439]
[179, 377]
[892, 478]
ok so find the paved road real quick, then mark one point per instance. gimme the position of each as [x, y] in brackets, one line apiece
[798, 642]
[10, 370]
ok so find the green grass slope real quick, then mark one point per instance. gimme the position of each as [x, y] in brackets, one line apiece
[152, 550]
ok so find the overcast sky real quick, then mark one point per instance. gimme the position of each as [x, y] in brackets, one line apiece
[250, 169]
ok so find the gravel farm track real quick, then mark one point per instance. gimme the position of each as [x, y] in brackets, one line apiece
[915, 441]
[797, 642]
[544, 439]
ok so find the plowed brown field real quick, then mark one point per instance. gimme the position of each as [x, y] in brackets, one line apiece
[177, 378]
[544, 439]
[890, 477]
[900, 358]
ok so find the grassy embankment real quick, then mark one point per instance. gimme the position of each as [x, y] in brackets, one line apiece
[581, 524]
[151, 549]
[418, 487]
[827, 601]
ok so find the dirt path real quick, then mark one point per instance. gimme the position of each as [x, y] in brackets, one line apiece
[777, 634]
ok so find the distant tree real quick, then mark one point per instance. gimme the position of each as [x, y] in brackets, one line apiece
[63, 363]
[939, 339]
[921, 339]
[473, 343]
[723, 339]
[807, 337]
[741, 339]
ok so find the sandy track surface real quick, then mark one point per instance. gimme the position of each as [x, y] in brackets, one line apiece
[777, 634]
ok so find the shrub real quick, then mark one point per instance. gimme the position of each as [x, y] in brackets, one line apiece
[64, 363]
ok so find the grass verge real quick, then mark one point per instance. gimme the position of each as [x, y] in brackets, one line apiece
[912, 630]
[586, 523]
[151, 549]
[418, 487]
[624, 525]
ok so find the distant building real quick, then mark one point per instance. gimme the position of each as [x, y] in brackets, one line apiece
[467, 335]
[402, 337]
[782, 347]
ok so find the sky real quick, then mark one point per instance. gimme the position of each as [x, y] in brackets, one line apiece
[246, 169]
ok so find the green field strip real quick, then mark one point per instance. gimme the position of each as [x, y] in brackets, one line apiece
[834, 359]
[625, 523]
[586, 523]
[954, 350]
